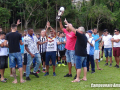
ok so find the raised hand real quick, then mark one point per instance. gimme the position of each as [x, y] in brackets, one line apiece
[18, 22]
[48, 24]
[65, 21]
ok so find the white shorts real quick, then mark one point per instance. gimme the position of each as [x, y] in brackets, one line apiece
[96, 54]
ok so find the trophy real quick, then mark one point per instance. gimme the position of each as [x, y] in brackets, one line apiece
[60, 13]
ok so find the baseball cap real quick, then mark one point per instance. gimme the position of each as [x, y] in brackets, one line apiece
[89, 31]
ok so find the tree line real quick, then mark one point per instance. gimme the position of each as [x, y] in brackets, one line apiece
[35, 13]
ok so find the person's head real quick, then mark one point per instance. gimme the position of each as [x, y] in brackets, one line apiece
[116, 31]
[38, 35]
[81, 30]
[58, 33]
[0, 29]
[89, 32]
[2, 35]
[51, 33]
[105, 32]
[92, 30]
[30, 31]
[67, 27]
[14, 27]
[42, 33]
[95, 30]
[25, 32]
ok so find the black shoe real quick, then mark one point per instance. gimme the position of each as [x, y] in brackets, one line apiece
[75, 76]
[24, 74]
[27, 78]
[110, 65]
[68, 75]
[106, 64]
[31, 73]
[92, 72]
[117, 66]
[35, 74]
[65, 63]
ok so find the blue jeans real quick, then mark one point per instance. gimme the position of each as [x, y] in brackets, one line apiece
[29, 62]
[108, 52]
[52, 56]
[15, 58]
[90, 58]
[80, 61]
[70, 56]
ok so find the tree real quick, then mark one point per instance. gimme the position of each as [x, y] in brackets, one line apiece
[100, 12]
[4, 16]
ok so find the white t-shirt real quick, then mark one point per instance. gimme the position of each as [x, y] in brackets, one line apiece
[51, 44]
[107, 41]
[88, 45]
[87, 36]
[3, 50]
[116, 44]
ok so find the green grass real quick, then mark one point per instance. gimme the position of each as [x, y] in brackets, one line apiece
[109, 75]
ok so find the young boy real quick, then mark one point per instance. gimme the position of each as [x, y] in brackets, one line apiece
[3, 57]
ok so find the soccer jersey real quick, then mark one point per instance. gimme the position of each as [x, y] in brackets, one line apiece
[51, 44]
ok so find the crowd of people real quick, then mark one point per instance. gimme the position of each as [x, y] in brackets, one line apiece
[70, 46]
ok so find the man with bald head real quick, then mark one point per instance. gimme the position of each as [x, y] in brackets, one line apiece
[80, 51]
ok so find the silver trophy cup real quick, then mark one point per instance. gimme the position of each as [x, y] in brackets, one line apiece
[60, 13]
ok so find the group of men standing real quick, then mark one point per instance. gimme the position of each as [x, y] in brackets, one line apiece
[80, 49]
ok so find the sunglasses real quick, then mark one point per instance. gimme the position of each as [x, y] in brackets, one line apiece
[115, 31]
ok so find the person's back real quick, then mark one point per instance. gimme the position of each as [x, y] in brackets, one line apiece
[13, 41]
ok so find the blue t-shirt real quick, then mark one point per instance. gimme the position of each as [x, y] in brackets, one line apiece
[97, 42]
[22, 46]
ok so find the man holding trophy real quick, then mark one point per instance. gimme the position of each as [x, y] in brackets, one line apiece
[70, 43]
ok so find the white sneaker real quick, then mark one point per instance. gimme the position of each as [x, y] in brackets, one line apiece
[101, 59]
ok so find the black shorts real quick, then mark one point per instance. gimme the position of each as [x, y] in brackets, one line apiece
[25, 59]
[62, 53]
[3, 62]
[43, 55]
[102, 48]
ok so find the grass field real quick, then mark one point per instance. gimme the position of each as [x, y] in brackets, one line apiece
[109, 75]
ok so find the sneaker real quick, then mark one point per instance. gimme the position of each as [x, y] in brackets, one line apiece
[24, 74]
[92, 72]
[101, 59]
[35, 74]
[54, 74]
[110, 65]
[38, 71]
[50, 64]
[68, 75]
[27, 78]
[47, 73]
[59, 65]
[106, 64]
[43, 71]
[75, 76]
[63, 64]
[117, 66]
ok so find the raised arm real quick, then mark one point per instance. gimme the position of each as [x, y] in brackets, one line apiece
[70, 26]
[61, 26]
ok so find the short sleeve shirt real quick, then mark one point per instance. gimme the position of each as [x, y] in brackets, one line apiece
[31, 42]
[116, 44]
[107, 41]
[13, 39]
[81, 45]
[70, 40]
